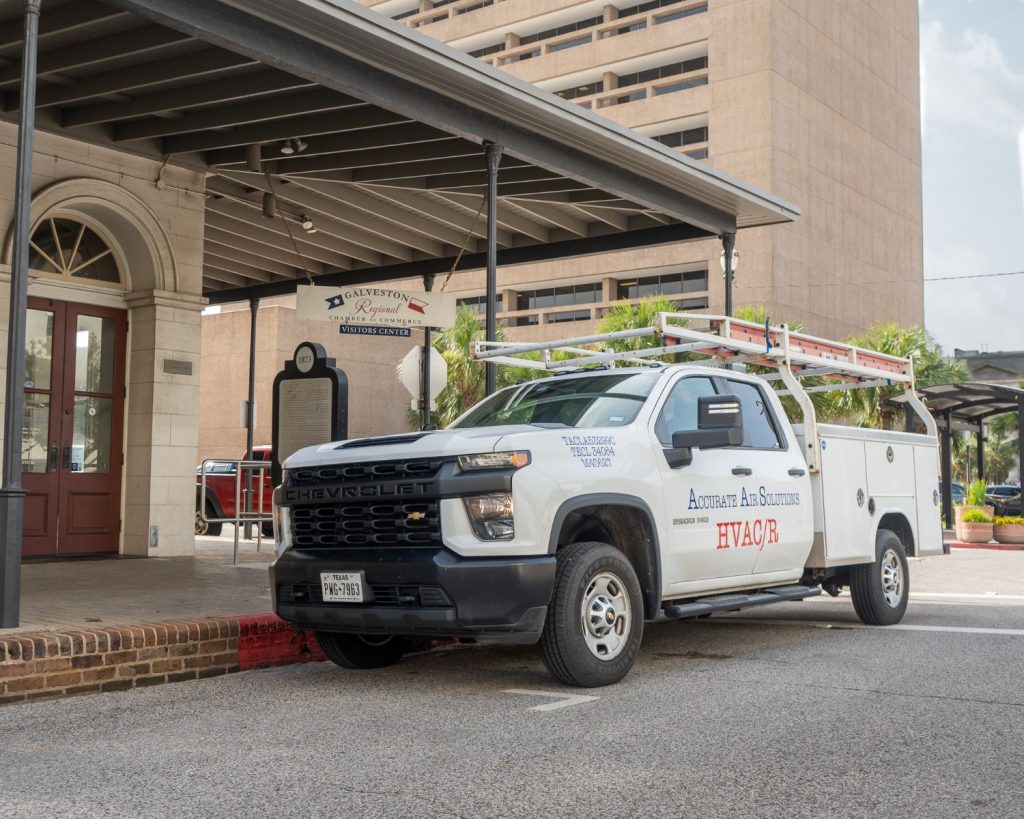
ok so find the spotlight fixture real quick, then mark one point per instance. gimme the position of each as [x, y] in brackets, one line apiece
[293, 146]
[307, 224]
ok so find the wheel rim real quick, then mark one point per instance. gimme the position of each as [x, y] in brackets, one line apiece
[202, 527]
[892, 578]
[374, 640]
[606, 616]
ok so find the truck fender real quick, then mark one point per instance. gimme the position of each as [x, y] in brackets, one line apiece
[211, 498]
[898, 522]
[644, 551]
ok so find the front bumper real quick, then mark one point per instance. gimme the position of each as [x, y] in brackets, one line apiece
[492, 600]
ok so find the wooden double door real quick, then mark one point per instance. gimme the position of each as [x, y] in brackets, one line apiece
[72, 435]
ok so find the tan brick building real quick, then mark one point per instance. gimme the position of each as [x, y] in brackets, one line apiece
[815, 101]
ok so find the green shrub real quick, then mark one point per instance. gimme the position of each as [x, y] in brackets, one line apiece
[976, 516]
[976, 493]
[1008, 521]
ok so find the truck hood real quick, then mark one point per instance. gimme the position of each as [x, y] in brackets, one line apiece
[440, 444]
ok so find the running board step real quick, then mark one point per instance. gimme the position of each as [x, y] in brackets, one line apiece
[731, 602]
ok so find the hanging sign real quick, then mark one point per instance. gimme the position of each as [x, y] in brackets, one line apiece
[375, 306]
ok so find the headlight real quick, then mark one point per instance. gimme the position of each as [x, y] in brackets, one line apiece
[493, 460]
[491, 515]
[282, 529]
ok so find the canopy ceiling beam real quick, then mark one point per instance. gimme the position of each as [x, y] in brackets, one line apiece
[243, 251]
[274, 130]
[386, 137]
[211, 270]
[240, 204]
[382, 236]
[377, 157]
[118, 81]
[512, 219]
[267, 237]
[217, 262]
[100, 50]
[222, 90]
[61, 20]
[295, 104]
[551, 214]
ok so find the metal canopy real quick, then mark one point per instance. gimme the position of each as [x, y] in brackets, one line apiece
[393, 171]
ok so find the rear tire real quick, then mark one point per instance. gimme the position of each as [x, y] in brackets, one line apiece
[880, 590]
[362, 650]
[206, 529]
[595, 619]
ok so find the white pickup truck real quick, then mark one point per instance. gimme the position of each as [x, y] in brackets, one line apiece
[568, 510]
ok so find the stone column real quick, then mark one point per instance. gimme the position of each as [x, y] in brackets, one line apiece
[162, 423]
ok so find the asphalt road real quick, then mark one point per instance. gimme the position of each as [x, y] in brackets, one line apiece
[793, 711]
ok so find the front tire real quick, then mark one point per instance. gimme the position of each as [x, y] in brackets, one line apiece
[362, 650]
[880, 590]
[595, 619]
[203, 527]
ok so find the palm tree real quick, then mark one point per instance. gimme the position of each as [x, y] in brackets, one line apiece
[626, 315]
[864, 407]
[466, 377]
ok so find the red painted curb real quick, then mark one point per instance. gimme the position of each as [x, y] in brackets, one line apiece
[996, 547]
[265, 640]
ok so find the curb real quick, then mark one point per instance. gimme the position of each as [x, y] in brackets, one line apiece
[49, 665]
[996, 547]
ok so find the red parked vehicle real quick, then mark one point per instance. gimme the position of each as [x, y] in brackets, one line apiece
[219, 500]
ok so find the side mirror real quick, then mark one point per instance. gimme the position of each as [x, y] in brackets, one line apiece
[720, 424]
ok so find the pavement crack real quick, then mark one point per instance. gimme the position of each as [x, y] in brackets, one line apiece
[907, 695]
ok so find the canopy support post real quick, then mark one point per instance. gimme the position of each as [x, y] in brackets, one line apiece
[947, 471]
[493, 152]
[12, 495]
[728, 246]
[250, 412]
[981, 449]
[425, 420]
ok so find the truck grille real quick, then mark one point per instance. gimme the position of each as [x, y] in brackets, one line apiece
[360, 473]
[353, 525]
[409, 596]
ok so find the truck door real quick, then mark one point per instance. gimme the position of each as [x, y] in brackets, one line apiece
[699, 499]
[775, 496]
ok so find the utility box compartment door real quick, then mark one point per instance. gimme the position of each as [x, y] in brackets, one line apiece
[848, 529]
[929, 520]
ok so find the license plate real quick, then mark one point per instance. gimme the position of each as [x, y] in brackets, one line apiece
[342, 587]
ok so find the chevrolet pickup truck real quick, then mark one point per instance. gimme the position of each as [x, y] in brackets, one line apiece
[569, 510]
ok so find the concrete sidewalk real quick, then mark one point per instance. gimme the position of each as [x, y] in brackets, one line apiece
[76, 594]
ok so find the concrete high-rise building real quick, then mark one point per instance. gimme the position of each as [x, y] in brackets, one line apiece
[817, 102]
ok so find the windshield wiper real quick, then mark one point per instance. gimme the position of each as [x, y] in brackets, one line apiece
[549, 424]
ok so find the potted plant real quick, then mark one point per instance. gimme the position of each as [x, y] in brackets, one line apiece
[976, 527]
[1009, 530]
[974, 500]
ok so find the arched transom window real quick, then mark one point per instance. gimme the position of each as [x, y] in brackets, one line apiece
[69, 249]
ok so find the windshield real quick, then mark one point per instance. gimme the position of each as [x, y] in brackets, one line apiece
[611, 400]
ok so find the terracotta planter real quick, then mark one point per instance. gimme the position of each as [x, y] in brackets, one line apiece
[1009, 533]
[975, 532]
[958, 515]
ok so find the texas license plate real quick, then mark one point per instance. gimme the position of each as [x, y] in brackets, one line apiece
[342, 587]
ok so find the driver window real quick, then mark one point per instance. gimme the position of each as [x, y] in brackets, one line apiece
[680, 409]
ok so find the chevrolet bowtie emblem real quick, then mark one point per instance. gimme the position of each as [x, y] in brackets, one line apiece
[416, 516]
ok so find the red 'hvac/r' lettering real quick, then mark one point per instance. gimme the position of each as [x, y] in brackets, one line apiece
[741, 533]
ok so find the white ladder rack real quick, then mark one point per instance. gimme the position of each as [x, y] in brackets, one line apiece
[727, 340]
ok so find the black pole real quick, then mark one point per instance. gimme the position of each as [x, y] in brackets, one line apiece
[250, 414]
[728, 245]
[1020, 441]
[947, 472]
[981, 450]
[428, 285]
[493, 152]
[12, 495]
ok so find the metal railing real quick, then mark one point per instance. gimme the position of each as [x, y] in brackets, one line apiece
[259, 515]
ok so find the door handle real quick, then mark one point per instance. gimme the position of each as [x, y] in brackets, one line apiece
[742, 470]
[67, 456]
[53, 457]
[797, 472]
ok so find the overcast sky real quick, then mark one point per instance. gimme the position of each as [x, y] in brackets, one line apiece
[972, 84]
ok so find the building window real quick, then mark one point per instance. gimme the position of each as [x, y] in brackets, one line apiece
[643, 8]
[526, 321]
[581, 90]
[667, 284]
[69, 249]
[410, 13]
[568, 28]
[572, 315]
[491, 49]
[700, 153]
[565, 296]
[475, 7]
[478, 304]
[677, 139]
